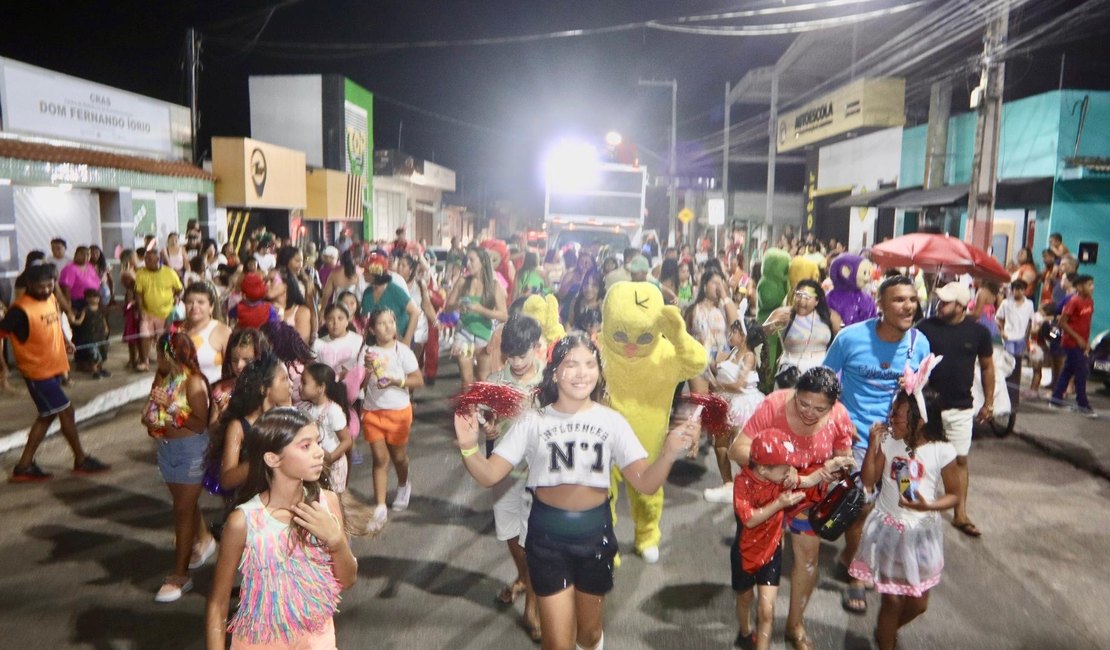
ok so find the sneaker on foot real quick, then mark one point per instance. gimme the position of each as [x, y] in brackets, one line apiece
[202, 553]
[90, 466]
[105, 373]
[719, 494]
[1089, 413]
[650, 554]
[401, 501]
[30, 474]
[173, 589]
[377, 522]
[744, 641]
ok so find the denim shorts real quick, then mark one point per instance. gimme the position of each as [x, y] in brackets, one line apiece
[181, 460]
[48, 395]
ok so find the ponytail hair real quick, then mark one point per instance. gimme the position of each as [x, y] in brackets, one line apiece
[323, 374]
[180, 349]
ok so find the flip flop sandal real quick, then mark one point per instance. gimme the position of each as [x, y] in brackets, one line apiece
[967, 528]
[852, 595]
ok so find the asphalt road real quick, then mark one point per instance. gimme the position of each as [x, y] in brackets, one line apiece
[81, 558]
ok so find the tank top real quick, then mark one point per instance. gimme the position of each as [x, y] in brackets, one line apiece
[289, 589]
[710, 327]
[176, 414]
[210, 359]
[176, 261]
[43, 354]
[805, 342]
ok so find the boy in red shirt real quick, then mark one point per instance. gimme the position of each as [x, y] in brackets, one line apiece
[254, 311]
[760, 500]
[1075, 321]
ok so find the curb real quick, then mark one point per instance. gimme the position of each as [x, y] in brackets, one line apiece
[102, 403]
[1057, 451]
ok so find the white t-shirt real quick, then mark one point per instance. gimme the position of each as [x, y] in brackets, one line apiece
[398, 362]
[1017, 318]
[329, 418]
[266, 262]
[571, 448]
[922, 472]
[338, 353]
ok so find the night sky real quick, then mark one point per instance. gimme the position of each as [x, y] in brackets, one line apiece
[522, 96]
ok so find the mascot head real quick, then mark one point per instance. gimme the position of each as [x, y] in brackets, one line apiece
[803, 268]
[630, 319]
[849, 272]
[545, 310]
[498, 256]
[775, 264]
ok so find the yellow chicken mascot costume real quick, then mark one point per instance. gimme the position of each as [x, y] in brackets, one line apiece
[645, 353]
[545, 310]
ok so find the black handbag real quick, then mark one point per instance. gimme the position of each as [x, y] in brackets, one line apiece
[840, 508]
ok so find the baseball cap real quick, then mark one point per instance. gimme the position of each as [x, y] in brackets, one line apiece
[954, 292]
[330, 251]
[639, 264]
[772, 447]
[253, 287]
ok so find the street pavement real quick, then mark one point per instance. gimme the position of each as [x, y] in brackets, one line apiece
[81, 557]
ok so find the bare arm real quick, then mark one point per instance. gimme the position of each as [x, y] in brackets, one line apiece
[986, 370]
[232, 472]
[874, 460]
[499, 312]
[784, 500]
[951, 477]
[232, 542]
[410, 329]
[647, 479]
[487, 471]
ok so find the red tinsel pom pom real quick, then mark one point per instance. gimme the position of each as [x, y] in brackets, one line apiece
[505, 401]
[715, 413]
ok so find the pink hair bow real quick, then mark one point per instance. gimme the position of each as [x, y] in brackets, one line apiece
[914, 382]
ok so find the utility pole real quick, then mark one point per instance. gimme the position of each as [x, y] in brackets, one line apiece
[772, 151]
[192, 74]
[984, 165]
[727, 146]
[673, 85]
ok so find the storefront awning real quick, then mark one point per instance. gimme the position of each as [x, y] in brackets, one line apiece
[870, 199]
[1011, 193]
[947, 195]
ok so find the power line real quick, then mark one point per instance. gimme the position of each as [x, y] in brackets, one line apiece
[319, 50]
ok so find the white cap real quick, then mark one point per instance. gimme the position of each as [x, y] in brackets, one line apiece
[954, 292]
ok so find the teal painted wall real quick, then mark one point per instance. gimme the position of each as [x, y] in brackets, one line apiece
[912, 170]
[1079, 212]
[1096, 135]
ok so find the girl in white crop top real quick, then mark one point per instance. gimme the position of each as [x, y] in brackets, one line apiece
[570, 446]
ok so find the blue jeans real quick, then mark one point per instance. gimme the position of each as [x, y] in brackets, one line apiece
[1075, 365]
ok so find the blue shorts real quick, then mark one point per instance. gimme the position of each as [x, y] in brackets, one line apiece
[1016, 348]
[181, 460]
[48, 395]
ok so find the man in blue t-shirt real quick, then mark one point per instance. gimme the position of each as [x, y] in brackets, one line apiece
[870, 358]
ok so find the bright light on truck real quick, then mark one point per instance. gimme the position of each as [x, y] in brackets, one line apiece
[571, 165]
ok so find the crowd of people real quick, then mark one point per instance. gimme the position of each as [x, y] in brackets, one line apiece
[271, 362]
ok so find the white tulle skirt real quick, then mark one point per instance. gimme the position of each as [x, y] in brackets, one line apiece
[742, 405]
[901, 558]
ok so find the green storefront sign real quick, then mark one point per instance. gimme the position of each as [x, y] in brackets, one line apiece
[358, 117]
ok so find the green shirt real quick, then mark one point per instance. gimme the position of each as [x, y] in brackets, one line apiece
[395, 300]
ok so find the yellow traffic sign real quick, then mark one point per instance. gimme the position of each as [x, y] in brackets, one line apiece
[686, 216]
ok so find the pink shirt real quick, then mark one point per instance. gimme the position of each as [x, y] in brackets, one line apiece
[77, 279]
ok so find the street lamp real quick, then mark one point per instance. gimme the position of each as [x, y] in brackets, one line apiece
[613, 139]
[673, 85]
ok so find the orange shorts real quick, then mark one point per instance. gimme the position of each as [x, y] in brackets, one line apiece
[390, 425]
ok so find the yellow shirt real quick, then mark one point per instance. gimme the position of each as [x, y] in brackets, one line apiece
[156, 290]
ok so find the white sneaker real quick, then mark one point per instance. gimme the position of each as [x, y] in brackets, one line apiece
[202, 553]
[401, 501]
[377, 523]
[650, 554]
[171, 590]
[720, 494]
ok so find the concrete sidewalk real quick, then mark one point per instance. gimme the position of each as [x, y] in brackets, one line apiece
[1065, 434]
